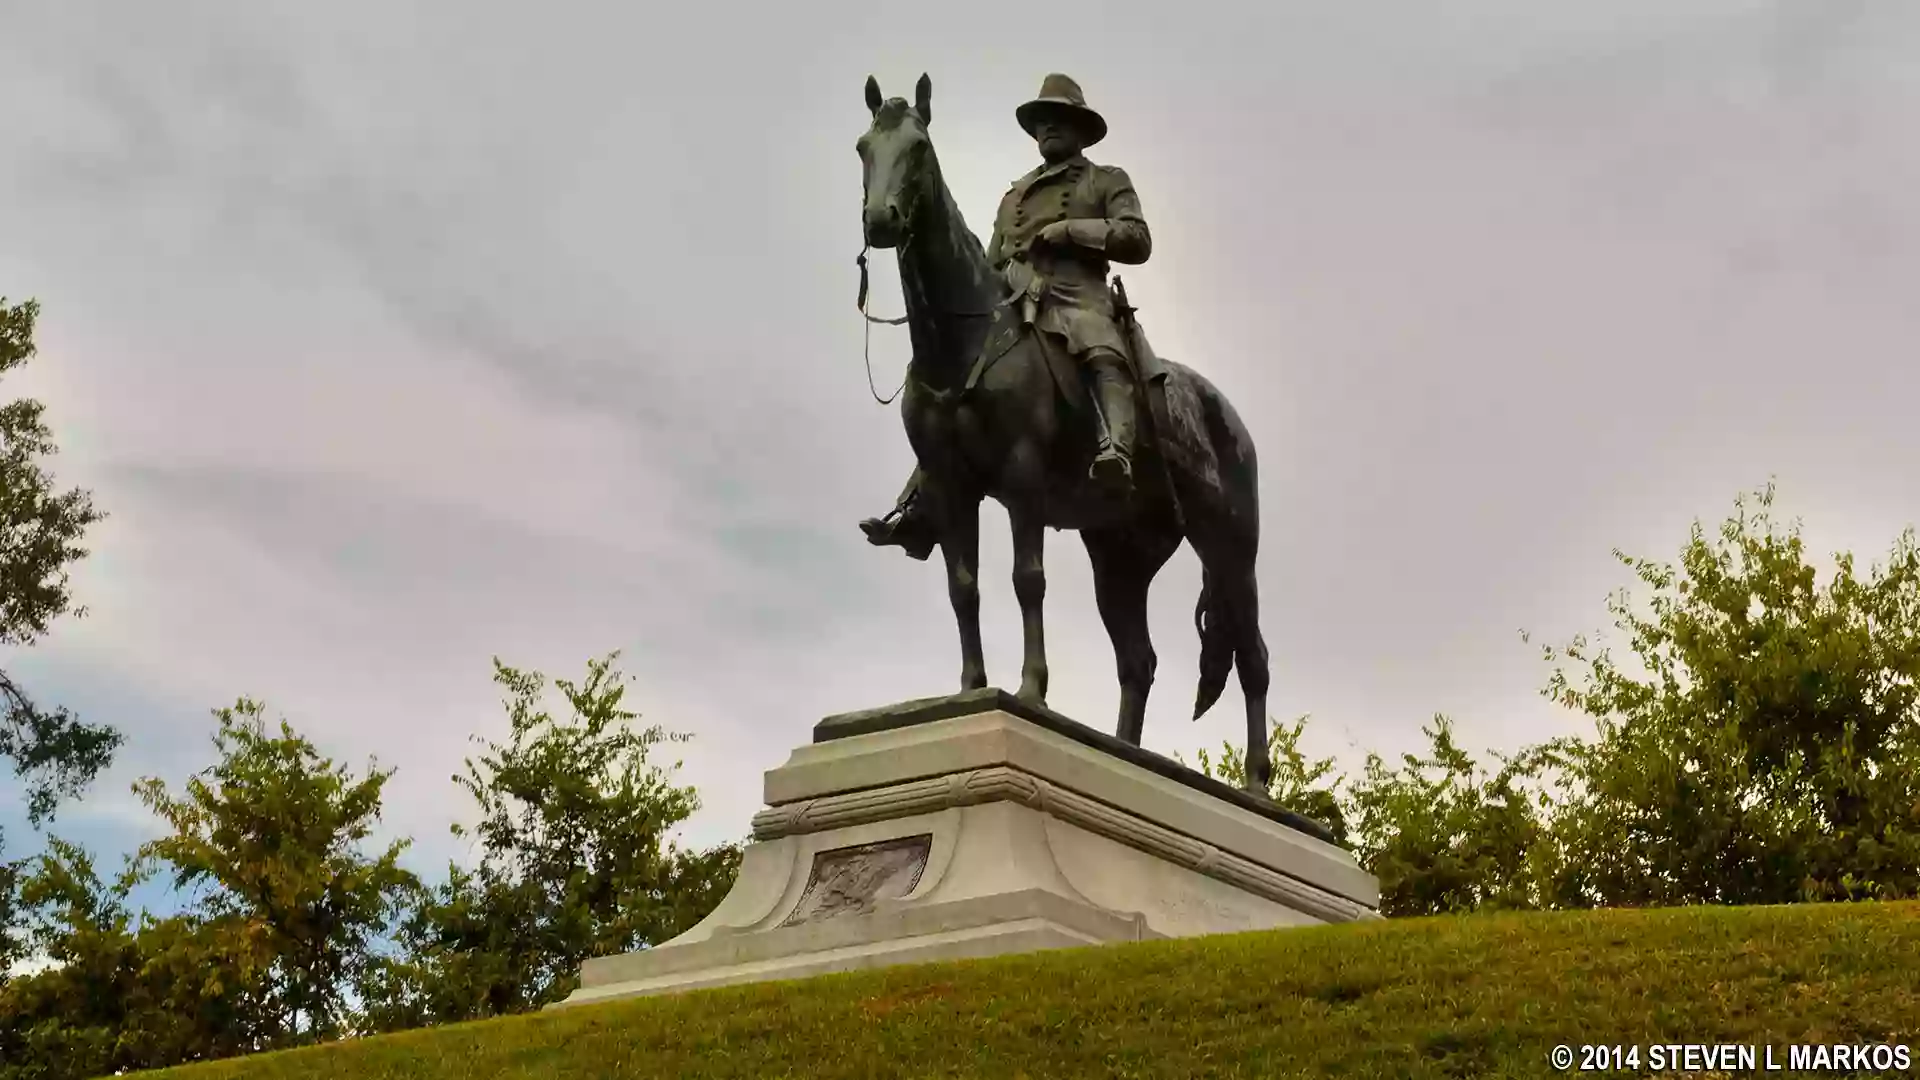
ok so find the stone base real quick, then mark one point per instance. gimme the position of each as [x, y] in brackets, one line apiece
[976, 825]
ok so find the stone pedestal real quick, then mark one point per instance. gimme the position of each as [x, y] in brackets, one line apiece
[974, 825]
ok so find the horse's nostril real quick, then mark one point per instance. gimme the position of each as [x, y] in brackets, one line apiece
[884, 223]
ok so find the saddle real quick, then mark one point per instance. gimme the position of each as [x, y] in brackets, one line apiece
[1161, 423]
[1010, 324]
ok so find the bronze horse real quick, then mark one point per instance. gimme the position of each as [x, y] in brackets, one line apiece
[1023, 436]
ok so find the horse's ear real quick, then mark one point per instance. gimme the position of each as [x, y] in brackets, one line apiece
[923, 99]
[873, 94]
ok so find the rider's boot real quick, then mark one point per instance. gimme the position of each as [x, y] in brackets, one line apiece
[1113, 386]
[906, 526]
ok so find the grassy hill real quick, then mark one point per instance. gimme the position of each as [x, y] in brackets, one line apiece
[1476, 996]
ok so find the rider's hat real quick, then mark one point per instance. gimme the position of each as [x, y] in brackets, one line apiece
[1060, 93]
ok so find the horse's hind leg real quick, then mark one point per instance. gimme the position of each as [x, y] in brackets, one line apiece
[1124, 565]
[1250, 660]
[1227, 544]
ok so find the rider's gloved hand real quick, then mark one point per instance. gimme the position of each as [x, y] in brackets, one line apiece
[1056, 234]
[1090, 233]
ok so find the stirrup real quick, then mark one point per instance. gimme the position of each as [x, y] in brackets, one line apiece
[891, 517]
[885, 532]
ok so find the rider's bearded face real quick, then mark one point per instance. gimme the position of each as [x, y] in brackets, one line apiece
[1058, 137]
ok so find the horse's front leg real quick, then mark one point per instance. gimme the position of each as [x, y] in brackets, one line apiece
[1030, 588]
[960, 546]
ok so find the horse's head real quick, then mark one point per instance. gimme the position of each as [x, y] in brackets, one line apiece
[897, 163]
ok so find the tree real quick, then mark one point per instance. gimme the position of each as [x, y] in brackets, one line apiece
[40, 532]
[124, 993]
[1762, 745]
[276, 832]
[51, 752]
[286, 914]
[1306, 787]
[576, 860]
[1444, 836]
[1440, 834]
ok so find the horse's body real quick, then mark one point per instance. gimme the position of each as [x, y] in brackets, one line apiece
[1020, 436]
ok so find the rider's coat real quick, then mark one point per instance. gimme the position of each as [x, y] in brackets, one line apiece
[1067, 282]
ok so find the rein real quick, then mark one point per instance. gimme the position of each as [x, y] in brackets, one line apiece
[866, 332]
[866, 329]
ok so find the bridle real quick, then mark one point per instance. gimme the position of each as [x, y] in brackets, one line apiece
[866, 329]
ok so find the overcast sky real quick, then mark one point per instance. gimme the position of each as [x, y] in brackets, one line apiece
[396, 337]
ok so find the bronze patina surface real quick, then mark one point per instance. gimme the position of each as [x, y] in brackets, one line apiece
[1026, 386]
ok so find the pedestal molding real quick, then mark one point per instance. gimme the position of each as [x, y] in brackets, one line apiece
[1006, 783]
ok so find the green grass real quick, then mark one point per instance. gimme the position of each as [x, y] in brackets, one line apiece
[1474, 996]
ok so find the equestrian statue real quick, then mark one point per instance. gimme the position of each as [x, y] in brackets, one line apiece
[1032, 383]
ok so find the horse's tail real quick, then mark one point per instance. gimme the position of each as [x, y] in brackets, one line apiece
[1226, 511]
[1216, 645]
